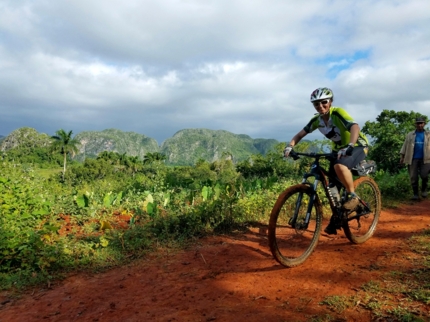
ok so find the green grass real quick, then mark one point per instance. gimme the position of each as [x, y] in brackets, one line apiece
[46, 173]
[339, 303]
[398, 295]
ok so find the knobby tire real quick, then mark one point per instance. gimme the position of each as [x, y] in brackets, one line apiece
[360, 229]
[291, 246]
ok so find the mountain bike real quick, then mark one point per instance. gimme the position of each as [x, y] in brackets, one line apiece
[296, 218]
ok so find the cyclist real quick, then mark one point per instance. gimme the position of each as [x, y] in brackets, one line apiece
[350, 144]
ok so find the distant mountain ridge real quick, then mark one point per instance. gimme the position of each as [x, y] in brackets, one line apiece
[189, 145]
[130, 143]
[186, 146]
[24, 137]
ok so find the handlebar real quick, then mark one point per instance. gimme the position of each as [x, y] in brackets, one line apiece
[296, 155]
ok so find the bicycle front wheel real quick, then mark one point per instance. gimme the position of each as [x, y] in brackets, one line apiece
[361, 223]
[292, 237]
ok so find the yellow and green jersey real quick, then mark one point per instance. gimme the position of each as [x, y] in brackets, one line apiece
[337, 128]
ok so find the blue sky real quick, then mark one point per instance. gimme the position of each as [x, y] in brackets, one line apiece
[335, 64]
[248, 67]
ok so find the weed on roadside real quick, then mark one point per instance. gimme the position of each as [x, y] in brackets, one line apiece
[403, 295]
[339, 304]
[324, 318]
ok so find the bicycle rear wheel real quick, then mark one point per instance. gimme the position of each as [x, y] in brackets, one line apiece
[361, 223]
[291, 240]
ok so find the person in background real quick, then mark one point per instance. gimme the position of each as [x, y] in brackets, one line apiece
[350, 144]
[415, 153]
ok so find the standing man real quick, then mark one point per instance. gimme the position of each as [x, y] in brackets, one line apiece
[415, 153]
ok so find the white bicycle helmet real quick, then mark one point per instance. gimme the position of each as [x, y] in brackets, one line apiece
[321, 94]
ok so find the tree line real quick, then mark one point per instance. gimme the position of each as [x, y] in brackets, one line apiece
[386, 135]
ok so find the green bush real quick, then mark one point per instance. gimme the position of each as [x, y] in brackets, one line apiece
[393, 186]
[166, 205]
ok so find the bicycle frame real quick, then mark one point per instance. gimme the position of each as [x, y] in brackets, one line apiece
[297, 215]
[322, 176]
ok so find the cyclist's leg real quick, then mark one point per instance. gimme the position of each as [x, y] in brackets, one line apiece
[333, 225]
[359, 225]
[331, 228]
[343, 170]
[345, 176]
[343, 167]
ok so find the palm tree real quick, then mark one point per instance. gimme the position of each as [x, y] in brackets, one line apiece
[122, 158]
[152, 157]
[133, 164]
[104, 155]
[65, 144]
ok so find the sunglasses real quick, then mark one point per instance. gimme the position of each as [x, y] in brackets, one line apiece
[419, 122]
[324, 102]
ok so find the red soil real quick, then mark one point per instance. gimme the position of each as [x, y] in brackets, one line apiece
[229, 278]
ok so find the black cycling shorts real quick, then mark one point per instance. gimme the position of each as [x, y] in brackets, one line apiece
[359, 153]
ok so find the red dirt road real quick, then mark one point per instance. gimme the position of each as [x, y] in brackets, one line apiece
[229, 278]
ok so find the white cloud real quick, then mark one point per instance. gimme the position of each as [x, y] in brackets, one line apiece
[156, 67]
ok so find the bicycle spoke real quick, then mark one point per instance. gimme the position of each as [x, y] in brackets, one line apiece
[362, 222]
[291, 236]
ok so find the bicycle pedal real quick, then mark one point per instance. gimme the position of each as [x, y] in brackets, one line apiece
[330, 230]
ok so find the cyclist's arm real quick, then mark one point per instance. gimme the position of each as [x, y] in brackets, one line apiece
[296, 138]
[355, 131]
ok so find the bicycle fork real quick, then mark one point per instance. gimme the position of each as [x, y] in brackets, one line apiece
[293, 220]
